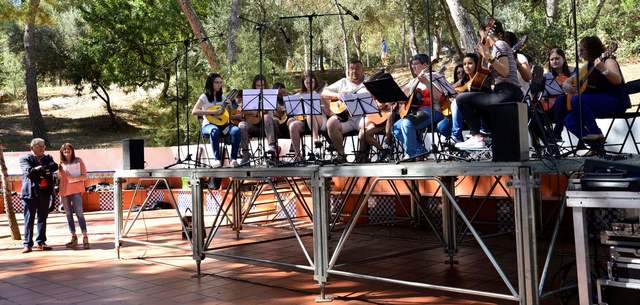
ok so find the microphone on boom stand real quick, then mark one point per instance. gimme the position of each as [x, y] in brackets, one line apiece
[348, 12]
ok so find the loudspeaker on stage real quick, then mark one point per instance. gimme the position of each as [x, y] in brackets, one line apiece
[509, 133]
[133, 154]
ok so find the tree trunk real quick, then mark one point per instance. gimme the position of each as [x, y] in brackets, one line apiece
[31, 74]
[452, 32]
[107, 101]
[234, 23]
[463, 23]
[201, 33]
[404, 38]
[597, 14]
[357, 42]
[413, 44]
[345, 40]
[306, 53]
[552, 11]
[6, 196]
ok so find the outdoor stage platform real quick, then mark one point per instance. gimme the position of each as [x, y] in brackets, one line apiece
[323, 260]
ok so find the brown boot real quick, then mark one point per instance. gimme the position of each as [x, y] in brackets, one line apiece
[85, 242]
[73, 243]
[26, 249]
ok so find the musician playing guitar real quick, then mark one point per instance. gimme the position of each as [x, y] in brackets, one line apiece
[451, 127]
[251, 123]
[604, 93]
[336, 125]
[211, 97]
[405, 129]
[297, 124]
[554, 99]
[473, 105]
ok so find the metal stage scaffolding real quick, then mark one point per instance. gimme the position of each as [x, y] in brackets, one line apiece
[523, 182]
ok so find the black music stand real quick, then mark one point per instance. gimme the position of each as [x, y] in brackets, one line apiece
[385, 89]
[260, 100]
[303, 104]
[360, 103]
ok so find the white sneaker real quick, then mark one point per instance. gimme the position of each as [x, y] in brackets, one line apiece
[473, 143]
[233, 163]
[216, 163]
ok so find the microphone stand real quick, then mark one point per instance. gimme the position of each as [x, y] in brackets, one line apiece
[261, 27]
[434, 147]
[187, 160]
[312, 157]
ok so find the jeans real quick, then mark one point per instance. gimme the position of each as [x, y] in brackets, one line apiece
[406, 132]
[452, 126]
[594, 105]
[559, 110]
[214, 133]
[39, 207]
[473, 105]
[73, 203]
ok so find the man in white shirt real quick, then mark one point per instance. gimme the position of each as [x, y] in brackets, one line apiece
[339, 124]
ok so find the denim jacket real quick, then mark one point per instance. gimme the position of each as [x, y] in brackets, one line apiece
[31, 177]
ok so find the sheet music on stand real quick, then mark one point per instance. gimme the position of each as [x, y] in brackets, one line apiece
[441, 83]
[301, 104]
[360, 103]
[251, 99]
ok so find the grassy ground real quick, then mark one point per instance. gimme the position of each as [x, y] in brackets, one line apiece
[82, 119]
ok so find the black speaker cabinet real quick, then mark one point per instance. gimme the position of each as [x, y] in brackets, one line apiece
[133, 154]
[509, 133]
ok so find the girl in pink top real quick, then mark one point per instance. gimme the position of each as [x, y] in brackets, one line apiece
[72, 175]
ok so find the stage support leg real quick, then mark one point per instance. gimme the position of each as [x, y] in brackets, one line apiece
[449, 221]
[525, 211]
[414, 202]
[237, 208]
[117, 205]
[582, 256]
[537, 199]
[197, 237]
[321, 203]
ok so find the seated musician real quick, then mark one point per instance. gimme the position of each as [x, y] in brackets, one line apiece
[297, 124]
[473, 105]
[604, 94]
[342, 123]
[280, 116]
[212, 96]
[554, 99]
[451, 127]
[251, 123]
[406, 129]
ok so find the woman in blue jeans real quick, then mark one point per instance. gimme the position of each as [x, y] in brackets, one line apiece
[422, 109]
[73, 172]
[213, 96]
[604, 94]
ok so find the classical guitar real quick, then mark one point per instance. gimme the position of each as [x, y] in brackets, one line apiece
[339, 107]
[585, 71]
[403, 108]
[222, 118]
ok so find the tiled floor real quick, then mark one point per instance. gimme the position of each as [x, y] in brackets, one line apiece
[152, 275]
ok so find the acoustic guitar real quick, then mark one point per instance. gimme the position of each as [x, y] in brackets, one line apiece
[404, 108]
[222, 118]
[584, 73]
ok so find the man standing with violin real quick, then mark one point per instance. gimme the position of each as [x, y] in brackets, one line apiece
[341, 122]
[416, 113]
[602, 90]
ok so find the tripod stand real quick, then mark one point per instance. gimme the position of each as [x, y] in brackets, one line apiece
[188, 161]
